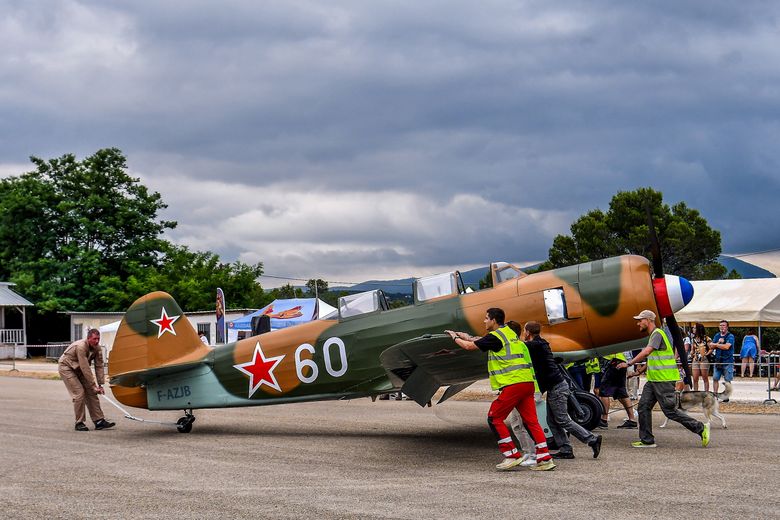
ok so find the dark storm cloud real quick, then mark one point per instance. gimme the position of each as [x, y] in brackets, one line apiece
[530, 105]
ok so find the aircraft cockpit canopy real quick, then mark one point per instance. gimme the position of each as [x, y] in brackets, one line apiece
[503, 271]
[362, 303]
[438, 285]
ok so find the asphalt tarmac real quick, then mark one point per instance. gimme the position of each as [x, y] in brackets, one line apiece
[358, 459]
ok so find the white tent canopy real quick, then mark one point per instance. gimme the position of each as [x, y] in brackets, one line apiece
[769, 260]
[110, 327]
[743, 303]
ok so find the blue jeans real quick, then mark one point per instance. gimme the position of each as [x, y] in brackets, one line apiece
[727, 372]
[560, 422]
[662, 392]
[580, 376]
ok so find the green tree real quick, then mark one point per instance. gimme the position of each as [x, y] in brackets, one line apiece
[487, 281]
[689, 246]
[332, 297]
[69, 223]
[84, 235]
[192, 278]
[401, 301]
[318, 287]
[28, 208]
[286, 291]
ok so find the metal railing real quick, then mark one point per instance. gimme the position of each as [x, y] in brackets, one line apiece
[15, 336]
[55, 350]
[767, 365]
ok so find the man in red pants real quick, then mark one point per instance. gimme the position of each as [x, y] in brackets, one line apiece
[511, 372]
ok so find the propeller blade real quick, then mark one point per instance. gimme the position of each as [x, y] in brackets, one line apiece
[679, 346]
[655, 246]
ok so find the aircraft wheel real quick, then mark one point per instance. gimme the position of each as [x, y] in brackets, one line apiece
[184, 424]
[591, 410]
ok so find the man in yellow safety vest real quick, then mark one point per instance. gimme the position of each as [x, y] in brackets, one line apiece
[512, 374]
[662, 374]
[613, 385]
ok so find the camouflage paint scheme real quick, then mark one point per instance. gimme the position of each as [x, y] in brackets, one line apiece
[159, 363]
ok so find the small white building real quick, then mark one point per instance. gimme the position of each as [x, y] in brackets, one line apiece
[12, 341]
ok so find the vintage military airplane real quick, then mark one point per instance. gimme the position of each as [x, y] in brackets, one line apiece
[366, 349]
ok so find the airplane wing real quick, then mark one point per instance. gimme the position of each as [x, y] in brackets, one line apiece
[420, 366]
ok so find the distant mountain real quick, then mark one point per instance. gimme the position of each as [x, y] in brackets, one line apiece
[745, 269]
[471, 278]
[401, 286]
[404, 286]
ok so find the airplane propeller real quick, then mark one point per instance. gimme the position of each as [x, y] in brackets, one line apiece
[667, 296]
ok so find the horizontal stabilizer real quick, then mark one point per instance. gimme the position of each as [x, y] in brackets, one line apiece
[144, 377]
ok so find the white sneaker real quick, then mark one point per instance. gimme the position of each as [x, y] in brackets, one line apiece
[508, 464]
[529, 459]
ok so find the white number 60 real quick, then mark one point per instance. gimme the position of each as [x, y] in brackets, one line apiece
[300, 363]
[342, 355]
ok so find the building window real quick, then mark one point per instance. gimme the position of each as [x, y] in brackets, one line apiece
[205, 328]
[78, 331]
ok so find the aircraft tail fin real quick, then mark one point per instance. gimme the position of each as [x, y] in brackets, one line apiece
[154, 333]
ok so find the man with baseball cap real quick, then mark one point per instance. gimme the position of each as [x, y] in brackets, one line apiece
[662, 374]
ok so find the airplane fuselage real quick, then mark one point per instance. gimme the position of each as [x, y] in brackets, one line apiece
[365, 355]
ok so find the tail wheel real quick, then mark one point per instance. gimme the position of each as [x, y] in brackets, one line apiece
[184, 424]
[591, 410]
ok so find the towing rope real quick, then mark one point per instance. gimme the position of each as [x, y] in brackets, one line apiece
[128, 415]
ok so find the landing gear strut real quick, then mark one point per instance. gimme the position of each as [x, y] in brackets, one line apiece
[184, 424]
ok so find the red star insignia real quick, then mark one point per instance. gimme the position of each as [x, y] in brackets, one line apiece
[260, 370]
[165, 323]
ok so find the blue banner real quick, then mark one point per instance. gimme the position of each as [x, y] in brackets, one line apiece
[221, 330]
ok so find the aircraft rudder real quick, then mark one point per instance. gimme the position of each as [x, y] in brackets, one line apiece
[154, 332]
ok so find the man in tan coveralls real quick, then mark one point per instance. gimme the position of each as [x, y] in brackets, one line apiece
[76, 373]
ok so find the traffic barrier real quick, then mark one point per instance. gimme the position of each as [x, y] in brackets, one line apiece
[8, 353]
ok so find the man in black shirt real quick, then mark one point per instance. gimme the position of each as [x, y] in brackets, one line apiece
[550, 380]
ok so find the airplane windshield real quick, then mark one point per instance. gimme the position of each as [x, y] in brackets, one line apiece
[362, 303]
[438, 285]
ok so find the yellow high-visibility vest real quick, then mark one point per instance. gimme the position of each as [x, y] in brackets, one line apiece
[661, 365]
[592, 366]
[511, 364]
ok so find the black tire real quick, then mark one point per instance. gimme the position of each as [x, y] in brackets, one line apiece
[184, 425]
[591, 410]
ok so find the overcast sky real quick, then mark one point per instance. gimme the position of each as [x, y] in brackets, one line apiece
[350, 140]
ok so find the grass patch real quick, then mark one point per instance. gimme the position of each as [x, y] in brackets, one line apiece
[31, 375]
